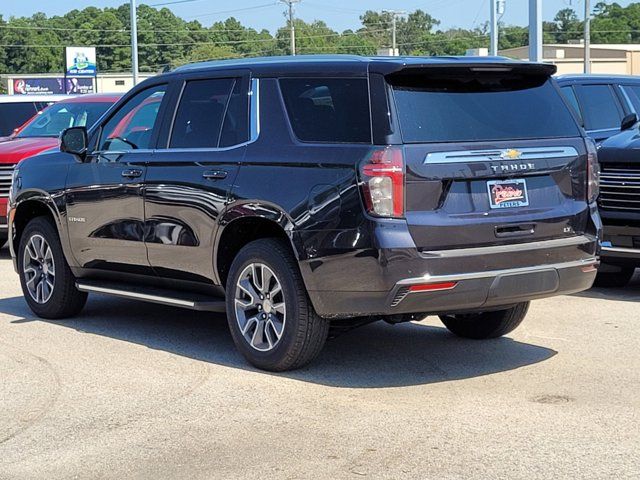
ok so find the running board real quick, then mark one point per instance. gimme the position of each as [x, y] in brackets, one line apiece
[193, 301]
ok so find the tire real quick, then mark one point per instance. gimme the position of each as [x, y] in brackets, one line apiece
[58, 297]
[485, 325]
[3, 240]
[287, 311]
[614, 279]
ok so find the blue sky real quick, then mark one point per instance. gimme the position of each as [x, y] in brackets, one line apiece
[338, 14]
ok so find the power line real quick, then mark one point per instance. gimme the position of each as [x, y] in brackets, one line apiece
[127, 30]
[184, 44]
[174, 2]
[223, 12]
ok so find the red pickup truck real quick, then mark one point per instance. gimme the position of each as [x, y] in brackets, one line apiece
[41, 133]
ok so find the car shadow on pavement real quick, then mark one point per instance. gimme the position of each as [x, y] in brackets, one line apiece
[629, 293]
[375, 356]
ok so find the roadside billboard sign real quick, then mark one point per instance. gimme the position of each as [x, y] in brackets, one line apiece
[80, 61]
[51, 85]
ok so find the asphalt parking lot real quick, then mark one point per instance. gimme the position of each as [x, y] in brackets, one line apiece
[132, 390]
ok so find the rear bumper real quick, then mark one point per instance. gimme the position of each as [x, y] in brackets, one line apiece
[485, 278]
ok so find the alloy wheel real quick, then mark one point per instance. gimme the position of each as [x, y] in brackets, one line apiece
[38, 267]
[260, 307]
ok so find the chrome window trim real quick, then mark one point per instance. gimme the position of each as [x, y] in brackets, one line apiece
[602, 130]
[254, 111]
[528, 153]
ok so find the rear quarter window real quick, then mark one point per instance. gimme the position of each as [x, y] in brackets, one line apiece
[329, 110]
[479, 107]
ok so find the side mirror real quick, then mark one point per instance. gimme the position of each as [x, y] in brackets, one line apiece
[74, 140]
[628, 122]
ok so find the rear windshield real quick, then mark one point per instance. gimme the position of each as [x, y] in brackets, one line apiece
[487, 106]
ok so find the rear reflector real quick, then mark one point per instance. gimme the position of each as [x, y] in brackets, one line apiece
[430, 287]
[590, 268]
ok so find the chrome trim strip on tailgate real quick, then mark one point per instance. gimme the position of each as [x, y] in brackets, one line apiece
[529, 153]
[512, 247]
[456, 277]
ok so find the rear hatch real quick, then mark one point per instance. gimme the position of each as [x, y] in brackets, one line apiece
[492, 156]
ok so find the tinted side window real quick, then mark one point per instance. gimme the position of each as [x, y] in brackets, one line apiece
[633, 92]
[13, 115]
[570, 95]
[328, 110]
[198, 121]
[133, 125]
[599, 107]
[235, 129]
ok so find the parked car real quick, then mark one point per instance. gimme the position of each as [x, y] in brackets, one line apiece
[41, 133]
[15, 110]
[608, 105]
[297, 194]
[619, 204]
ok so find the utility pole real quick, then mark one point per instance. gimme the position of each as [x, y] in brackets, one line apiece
[497, 10]
[292, 28]
[535, 30]
[134, 42]
[587, 36]
[394, 23]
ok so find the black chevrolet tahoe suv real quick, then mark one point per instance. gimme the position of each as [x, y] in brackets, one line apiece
[608, 106]
[299, 195]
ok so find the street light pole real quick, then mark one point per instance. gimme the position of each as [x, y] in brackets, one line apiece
[535, 30]
[134, 42]
[587, 36]
[497, 11]
[493, 27]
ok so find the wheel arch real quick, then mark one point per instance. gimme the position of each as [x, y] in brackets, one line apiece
[28, 207]
[245, 223]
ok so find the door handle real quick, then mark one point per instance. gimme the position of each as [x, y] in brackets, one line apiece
[132, 173]
[214, 175]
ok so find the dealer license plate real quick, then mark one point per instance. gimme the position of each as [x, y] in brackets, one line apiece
[508, 193]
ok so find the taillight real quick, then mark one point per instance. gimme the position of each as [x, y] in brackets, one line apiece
[593, 171]
[383, 182]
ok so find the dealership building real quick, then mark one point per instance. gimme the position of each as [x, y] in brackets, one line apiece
[610, 59]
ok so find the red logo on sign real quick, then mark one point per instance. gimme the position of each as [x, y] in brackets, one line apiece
[506, 193]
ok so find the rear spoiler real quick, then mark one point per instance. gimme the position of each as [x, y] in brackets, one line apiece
[460, 67]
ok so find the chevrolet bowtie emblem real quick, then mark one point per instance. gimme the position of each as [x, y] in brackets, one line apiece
[511, 154]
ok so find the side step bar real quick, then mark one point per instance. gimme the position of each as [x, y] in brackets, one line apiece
[193, 301]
